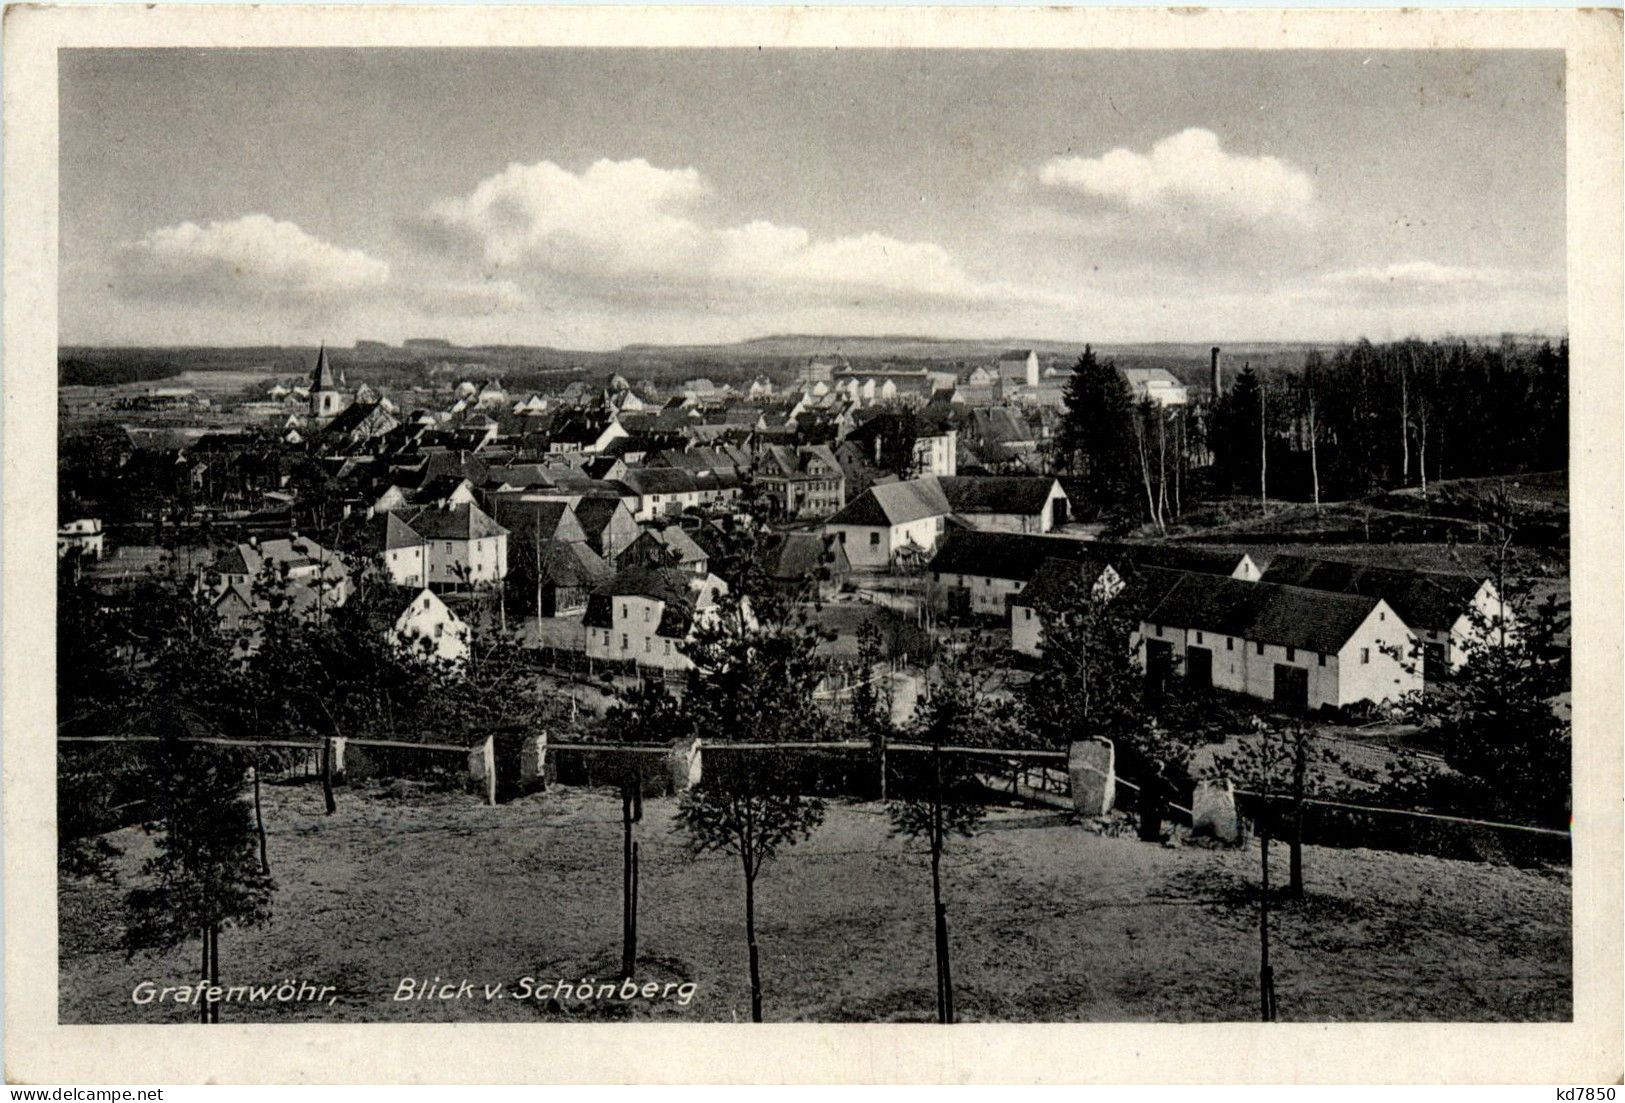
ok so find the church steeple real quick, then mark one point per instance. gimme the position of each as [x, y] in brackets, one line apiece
[322, 378]
[325, 400]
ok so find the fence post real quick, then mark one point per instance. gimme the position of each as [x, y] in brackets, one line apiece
[482, 766]
[684, 765]
[533, 762]
[1213, 811]
[1091, 767]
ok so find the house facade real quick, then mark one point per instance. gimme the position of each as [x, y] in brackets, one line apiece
[443, 547]
[1303, 649]
[430, 629]
[645, 615]
[805, 481]
[83, 537]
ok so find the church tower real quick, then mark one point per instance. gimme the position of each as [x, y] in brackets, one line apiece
[325, 399]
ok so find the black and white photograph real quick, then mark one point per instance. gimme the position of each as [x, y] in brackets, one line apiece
[731, 534]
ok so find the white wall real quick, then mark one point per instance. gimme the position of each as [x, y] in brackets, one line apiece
[633, 635]
[987, 594]
[1369, 673]
[405, 565]
[1360, 671]
[877, 555]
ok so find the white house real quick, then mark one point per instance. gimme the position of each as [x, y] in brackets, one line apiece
[891, 521]
[981, 572]
[1444, 610]
[1007, 503]
[643, 615]
[445, 547]
[1302, 648]
[1018, 368]
[1156, 384]
[431, 629]
[83, 536]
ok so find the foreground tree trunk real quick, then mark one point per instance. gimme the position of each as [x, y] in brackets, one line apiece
[631, 813]
[750, 941]
[214, 971]
[259, 819]
[327, 777]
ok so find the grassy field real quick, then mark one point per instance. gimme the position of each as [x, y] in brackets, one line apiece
[1050, 920]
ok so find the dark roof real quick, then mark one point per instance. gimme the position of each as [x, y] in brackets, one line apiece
[596, 512]
[1011, 555]
[551, 519]
[572, 564]
[465, 522]
[799, 556]
[997, 494]
[657, 480]
[1175, 557]
[1431, 600]
[1291, 616]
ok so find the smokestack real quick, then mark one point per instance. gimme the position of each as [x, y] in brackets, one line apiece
[1218, 378]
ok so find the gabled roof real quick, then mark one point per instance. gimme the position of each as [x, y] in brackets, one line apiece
[464, 522]
[595, 511]
[1010, 555]
[656, 480]
[799, 556]
[670, 585]
[997, 493]
[888, 504]
[572, 564]
[1432, 600]
[1265, 612]
[544, 519]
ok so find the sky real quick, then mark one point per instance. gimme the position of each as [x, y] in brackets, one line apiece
[590, 198]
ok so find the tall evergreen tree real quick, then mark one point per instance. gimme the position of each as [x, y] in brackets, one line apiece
[1096, 438]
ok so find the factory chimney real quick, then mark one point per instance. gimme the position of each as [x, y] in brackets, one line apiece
[1218, 379]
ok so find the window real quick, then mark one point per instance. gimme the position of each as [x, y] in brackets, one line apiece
[448, 547]
[439, 630]
[1291, 653]
[648, 645]
[1026, 614]
[1198, 637]
[1229, 644]
[1365, 656]
[668, 647]
[1381, 615]
[1320, 660]
[874, 539]
[623, 642]
[1259, 647]
[645, 614]
[987, 582]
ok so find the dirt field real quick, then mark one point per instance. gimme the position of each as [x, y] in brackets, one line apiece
[1049, 921]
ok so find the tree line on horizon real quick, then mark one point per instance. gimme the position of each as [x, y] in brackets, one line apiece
[1367, 418]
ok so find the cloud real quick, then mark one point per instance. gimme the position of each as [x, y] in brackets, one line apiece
[1189, 173]
[254, 257]
[1421, 276]
[632, 232]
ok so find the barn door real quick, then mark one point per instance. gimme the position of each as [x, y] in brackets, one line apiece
[1199, 667]
[1159, 664]
[1292, 687]
[1434, 667]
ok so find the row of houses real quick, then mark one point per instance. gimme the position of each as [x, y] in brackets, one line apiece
[1303, 632]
